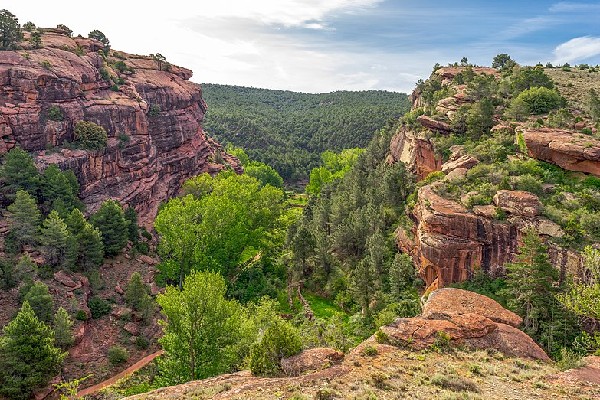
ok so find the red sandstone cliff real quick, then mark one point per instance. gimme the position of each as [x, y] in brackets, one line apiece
[447, 241]
[153, 120]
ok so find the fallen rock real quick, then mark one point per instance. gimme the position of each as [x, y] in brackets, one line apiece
[447, 302]
[147, 260]
[64, 279]
[466, 161]
[131, 328]
[518, 202]
[488, 211]
[311, 360]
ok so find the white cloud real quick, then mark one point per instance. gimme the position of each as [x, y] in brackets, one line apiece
[565, 6]
[577, 49]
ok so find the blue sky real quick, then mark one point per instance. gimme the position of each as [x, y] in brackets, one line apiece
[320, 46]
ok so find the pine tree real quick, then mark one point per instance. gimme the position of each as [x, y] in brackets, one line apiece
[28, 356]
[59, 190]
[112, 224]
[63, 325]
[133, 231]
[18, 172]
[24, 220]
[84, 246]
[54, 238]
[402, 274]
[363, 285]
[136, 295]
[41, 301]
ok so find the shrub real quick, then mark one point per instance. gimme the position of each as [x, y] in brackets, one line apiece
[104, 74]
[90, 136]
[98, 307]
[65, 29]
[80, 315]
[279, 340]
[540, 100]
[154, 110]
[141, 343]
[117, 355]
[454, 383]
[55, 113]
[369, 351]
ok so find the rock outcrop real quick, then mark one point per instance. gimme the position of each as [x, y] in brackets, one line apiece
[569, 150]
[311, 360]
[415, 151]
[150, 110]
[459, 317]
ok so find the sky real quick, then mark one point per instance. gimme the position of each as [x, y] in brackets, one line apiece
[326, 45]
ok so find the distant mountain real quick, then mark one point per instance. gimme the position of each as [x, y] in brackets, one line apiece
[290, 130]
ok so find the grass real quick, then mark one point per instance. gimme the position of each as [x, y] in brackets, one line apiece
[323, 308]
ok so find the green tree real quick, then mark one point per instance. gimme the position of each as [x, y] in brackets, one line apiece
[201, 329]
[65, 29]
[24, 220]
[10, 30]
[137, 295]
[133, 231]
[111, 222]
[540, 100]
[55, 238]
[264, 173]
[480, 118]
[161, 60]
[28, 356]
[279, 339]
[503, 62]
[402, 274]
[18, 172]
[531, 290]
[101, 37]
[63, 329]
[29, 26]
[90, 135]
[84, 249]
[35, 39]
[363, 285]
[60, 190]
[40, 300]
[593, 105]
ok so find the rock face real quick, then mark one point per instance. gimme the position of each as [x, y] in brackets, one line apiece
[568, 150]
[152, 118]
[449, 242]
[460, 317]
[518, 202]
[416, 152]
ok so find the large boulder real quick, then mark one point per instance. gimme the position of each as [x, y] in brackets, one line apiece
[569, 150]
[454, 317]
[518, 202]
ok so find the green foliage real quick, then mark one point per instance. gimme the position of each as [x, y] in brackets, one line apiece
[101, 37]
[593, 105]
[503, 62]
[10, 31]
[581, 298]
[85, 249]
[279, 340]
[98, 307]
[529, 77]
[137, 295]
[18, 172]
[55, 113]
[65, 29]
[482, 283]
[59, 191]
[233, 226]
[335, 166]
[36, 39]
[265, 174]
[24, 220]
[117, 355]
[111, 222]
[63, 329]
[539, 100]
[288, 130]
[531, 287]
[201, 329]
[28, 357]
[29, 26]
[480, 119]
[90, 136]
[133, 231]
[41, 301]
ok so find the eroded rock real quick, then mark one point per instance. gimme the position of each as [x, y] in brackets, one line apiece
[311, 360]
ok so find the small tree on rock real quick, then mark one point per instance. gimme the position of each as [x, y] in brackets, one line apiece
[24, 220]
[10, 31]
[63, 329]
[41, 301]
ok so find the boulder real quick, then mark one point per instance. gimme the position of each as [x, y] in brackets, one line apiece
[444, 303]
[311, 360]
[433, 124]
[465, 161]
[454, 317]
[518, 202]
[132, 328]
[64, 279]
[569, 150]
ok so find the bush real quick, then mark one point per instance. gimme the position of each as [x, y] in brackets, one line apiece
[454, 383]
[117, 355]
[98, 307]
[55, 113]
[80, 315]
[90, 136]
[540, 100]
[141, 343]
[279, 340]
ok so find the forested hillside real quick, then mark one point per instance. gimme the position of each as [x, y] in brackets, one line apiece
[289, 130]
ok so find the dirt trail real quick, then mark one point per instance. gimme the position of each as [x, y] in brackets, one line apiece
[112, 380]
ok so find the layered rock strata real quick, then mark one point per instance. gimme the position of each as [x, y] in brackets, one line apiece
[150, 110]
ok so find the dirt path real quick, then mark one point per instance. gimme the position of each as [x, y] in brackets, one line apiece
[112, 380]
